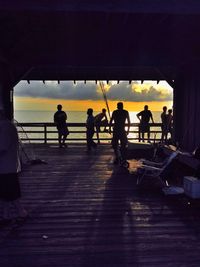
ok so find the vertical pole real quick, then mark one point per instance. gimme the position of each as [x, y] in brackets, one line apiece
[45, 134]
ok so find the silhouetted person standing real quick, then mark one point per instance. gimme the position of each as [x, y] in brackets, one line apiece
[60, 118]
[90, 130]
[10, 192]
[120, 117]
[163, 117]
[144, 118]
[169, 123]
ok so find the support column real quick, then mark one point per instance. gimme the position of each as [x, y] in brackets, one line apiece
[6, 92]
[187, 108]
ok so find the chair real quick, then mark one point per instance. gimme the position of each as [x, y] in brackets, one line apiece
[150, 168]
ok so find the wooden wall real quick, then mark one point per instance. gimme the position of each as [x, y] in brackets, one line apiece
[187, 108]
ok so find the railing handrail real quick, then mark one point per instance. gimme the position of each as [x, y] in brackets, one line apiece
[76, 124]
[44, 133]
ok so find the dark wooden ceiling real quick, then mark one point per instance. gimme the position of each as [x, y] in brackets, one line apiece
[99, 40]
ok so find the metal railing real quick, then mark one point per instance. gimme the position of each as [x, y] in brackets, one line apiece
[46, 132]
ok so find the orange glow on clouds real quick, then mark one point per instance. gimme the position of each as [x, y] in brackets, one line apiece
[28, 103]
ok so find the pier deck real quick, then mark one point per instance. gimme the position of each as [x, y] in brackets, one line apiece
[86, 212]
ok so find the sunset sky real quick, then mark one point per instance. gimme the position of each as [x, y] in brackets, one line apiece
[80, 96]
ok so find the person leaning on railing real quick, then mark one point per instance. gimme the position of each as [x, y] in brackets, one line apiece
[100, 120]
[144, 117]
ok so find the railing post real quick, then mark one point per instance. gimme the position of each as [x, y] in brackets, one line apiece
[45, 134]
[139, 133]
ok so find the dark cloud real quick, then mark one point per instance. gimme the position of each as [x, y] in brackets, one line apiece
[81, 91]
[126, 92]
[53, 90]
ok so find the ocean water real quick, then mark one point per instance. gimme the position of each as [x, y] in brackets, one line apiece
[73, 116]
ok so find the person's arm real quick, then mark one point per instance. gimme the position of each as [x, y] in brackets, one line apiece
[88, 122]
[138, 116]
[152, 118]
[54, 118]
[65, 115]
[162, 118]
[96, 119]
[110, 124]
[169, 121]
[106, 118]
[172, 119]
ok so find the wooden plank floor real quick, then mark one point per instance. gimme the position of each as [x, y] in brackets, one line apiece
[86, 212]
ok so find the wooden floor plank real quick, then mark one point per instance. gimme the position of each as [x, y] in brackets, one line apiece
[84, 211]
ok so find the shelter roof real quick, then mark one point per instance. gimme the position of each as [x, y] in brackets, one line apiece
[91, 40]
[130, 6]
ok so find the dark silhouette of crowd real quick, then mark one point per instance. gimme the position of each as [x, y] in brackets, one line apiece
[119, 127]
[167, 125]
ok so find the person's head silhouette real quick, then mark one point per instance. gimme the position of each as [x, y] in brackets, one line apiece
[89, 111]
[164, 108]
[120, 105]
[59, 107]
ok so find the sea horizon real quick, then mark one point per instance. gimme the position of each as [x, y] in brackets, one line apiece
[72, 116]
